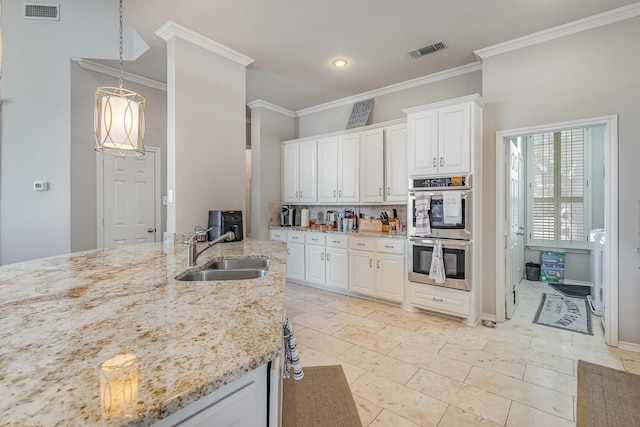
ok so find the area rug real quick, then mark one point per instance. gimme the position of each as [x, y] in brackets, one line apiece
[607, 397]
[321, 399]
[563, 312]
[576, 291]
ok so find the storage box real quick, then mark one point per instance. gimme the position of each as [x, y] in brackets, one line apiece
[551, 274]
[552, 258]
[370, 225]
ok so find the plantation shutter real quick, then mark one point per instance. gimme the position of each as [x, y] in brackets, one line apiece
[559, 186]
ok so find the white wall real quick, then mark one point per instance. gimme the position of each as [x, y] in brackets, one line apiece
[83, 222]
[268, 129]
[36, 123]
[206, 135]
[589, 74]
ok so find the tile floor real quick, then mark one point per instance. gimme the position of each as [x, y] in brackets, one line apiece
[418, 369]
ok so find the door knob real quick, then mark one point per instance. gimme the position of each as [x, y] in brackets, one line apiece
[151, 230]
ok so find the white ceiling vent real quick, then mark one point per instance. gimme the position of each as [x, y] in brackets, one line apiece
[415, 54]
[49, 12]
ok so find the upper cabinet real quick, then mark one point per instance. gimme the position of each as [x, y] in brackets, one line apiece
[372, 166]
[338, 169]
[395, 150]
[441, 136]
[299, 172]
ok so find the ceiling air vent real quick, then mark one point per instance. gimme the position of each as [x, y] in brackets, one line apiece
[415, 54]
[50, 12]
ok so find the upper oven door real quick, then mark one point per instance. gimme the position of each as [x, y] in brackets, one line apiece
[441, 228]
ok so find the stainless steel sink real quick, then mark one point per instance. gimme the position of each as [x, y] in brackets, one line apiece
[240, 263]
[222, 274]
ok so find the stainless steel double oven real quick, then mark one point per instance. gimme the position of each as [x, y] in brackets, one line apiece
[454, 234]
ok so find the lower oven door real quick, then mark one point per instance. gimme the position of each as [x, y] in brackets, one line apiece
[456, 255]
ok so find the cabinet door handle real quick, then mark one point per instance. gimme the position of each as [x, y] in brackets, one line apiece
[328, 257]
[301, 194]
[441, 161]
[434, 162]
[389, 246]
[437, 299]
[296, 194]
[370, 263]
[322, 257]
[388, 191]
[360, 244]
[379, 191]
[378, 264]
[334, 193]
[340, 193]
[288, 252]
[336, 241]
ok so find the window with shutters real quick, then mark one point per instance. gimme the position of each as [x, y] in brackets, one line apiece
[557, 196]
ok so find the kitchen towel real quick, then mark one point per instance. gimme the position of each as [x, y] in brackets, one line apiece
[423, 205]
[452, 207]
[291, 357]
[436, 272]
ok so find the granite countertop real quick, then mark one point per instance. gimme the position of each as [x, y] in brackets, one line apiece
[62, 317]
[349, 233]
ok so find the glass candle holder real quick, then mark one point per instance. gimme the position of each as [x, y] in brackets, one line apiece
[119, 385]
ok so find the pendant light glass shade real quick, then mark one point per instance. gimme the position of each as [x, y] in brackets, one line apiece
[119, 117]
[119, 121]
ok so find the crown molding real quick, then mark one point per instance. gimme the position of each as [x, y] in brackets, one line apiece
[115, 72]
[259, 103]
[570, 28]
[397, 87]
[172, 29]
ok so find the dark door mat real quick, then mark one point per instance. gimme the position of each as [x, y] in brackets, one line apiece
[576, 291]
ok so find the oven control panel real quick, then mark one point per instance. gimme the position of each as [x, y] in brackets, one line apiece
[442, 182]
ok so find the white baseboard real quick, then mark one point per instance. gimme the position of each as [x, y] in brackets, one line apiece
[486, 316]
[629, 346]
[577, 282]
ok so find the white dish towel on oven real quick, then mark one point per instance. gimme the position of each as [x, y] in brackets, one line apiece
[423, 205]
[436, 272]
[291, 357]
[452, 207]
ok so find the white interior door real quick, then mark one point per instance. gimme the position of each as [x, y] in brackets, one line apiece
[128, 199]
[514, 203]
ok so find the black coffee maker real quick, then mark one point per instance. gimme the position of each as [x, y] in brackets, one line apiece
[222, 221]
[287, 216]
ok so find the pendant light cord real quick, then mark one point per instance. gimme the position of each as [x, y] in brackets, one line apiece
[121, 50]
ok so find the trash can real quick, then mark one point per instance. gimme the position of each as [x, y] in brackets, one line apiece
[533, 271]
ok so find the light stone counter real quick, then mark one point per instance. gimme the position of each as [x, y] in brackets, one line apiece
[359, 233]
[62, 317]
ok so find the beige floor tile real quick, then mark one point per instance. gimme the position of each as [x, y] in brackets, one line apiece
[389, 419]
[632, 366]
[459, 336]
[396, 319]
[525, 416]
[426, 342]
[313, 308]
[367, 410]
[603, 357]
[311, 357]
[542, 398]
[493, 362]
[316, 322]
[464, 396]
[351, 305]
[359, 321]
[456, 417]
[499, 333]
[553, 380]
[322, 342]
[528, 355]
[367, 339]
[413, 405]
[433, 362]
[379, 364]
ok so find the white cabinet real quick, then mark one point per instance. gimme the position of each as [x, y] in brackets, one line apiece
[295, 255]
[338, 169]
[315, 258]
[395, 138]
[372, 166]
[278, 235]
[440, 137]
[376, 267]
[240, 403]
[337, 261]
[299, 172]
[443, 300]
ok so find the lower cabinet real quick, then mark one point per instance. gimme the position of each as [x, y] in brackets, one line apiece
[337, 262]
[295, 255]
[314, 258]
[443, 300]
[376, 267]
[240, 403]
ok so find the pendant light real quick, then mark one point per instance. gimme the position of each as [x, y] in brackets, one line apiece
[119, 117]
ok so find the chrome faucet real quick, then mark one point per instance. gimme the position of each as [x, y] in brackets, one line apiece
[193, 253]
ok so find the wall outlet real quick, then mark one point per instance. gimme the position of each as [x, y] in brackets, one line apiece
[41, 185]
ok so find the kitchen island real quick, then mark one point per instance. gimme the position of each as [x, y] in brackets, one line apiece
[62, 318]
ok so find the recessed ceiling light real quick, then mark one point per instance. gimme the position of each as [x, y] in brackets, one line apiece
[339, 63]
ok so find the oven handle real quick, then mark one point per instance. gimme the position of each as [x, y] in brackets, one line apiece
[431, 192]
[449, 243]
